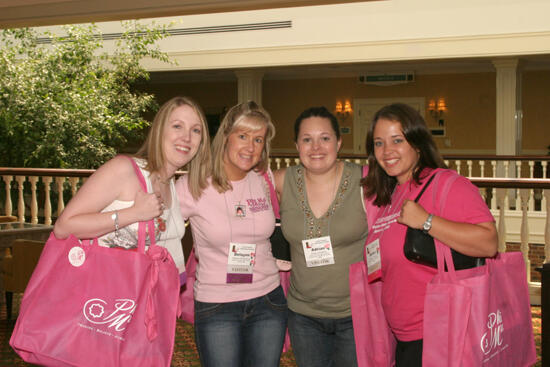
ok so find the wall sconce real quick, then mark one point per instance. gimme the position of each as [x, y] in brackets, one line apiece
[437, 109]
[343, 111]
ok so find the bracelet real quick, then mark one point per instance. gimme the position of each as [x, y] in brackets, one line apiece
[114, 217]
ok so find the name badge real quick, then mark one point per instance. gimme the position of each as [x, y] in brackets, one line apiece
[318, 251]
[240, 262]
[374, 265]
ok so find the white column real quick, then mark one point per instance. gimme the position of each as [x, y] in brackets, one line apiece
[509, 113]
[249, 85]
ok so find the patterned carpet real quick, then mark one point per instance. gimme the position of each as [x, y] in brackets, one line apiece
[185, 353]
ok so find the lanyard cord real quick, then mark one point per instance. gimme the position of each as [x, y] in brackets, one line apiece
[229, 216]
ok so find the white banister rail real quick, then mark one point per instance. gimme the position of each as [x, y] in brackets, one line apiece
[519, 204]
[528, 222]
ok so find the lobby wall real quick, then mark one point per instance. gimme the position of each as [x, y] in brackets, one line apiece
[470, 97]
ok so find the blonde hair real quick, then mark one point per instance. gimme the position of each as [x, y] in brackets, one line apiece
[153, 148]
[248, 116]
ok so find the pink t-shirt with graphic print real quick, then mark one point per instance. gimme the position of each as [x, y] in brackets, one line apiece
[241, 215]
[404, 282]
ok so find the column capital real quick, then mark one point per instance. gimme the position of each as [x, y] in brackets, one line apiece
[249, 85]
[249, 73]
[513, 63]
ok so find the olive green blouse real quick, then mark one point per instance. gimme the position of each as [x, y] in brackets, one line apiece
[323, 291]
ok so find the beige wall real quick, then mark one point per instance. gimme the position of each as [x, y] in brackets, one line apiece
[469, 121]
[375, 31]
[212, 96]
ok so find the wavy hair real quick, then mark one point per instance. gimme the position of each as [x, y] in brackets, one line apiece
[152, 149]
[378, 183]
[249, 116]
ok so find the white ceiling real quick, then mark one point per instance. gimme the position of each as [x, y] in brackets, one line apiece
[26, 13]
[17, 13]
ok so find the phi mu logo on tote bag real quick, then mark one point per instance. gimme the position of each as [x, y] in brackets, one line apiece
[121, 305]
[115, 317]
[493, 339]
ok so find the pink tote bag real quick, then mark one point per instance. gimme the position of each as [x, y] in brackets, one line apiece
[480, 316]
[374, 341]
[87, 305]
[187, 293]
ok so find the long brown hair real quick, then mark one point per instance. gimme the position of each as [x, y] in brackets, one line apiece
[378, 183]
[152, 150]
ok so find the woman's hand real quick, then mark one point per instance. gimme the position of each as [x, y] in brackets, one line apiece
[147, 206]
[479, 240]
[412, 214]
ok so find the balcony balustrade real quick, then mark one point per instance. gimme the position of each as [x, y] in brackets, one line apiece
[516, 189]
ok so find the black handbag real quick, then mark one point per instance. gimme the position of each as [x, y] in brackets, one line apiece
[419, 247]
[280, 248]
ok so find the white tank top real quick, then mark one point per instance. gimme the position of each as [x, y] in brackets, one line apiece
[169, 227]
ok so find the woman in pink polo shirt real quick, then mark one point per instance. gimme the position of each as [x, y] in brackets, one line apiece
[402, 157]
[240, 307]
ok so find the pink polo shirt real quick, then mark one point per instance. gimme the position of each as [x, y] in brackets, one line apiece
[404, 282]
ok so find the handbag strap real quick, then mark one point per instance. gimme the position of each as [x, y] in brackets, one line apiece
[272, 195]
[424, 188]
[443, 252]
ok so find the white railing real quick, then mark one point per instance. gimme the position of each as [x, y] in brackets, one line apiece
[532, 227]
[476, 166]
[519, 205]
[23, 184]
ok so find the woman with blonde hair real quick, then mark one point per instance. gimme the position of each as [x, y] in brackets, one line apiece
[240, 307]
[111, 203]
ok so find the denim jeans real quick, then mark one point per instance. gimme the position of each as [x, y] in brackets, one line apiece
[320, 342]
[246, 333]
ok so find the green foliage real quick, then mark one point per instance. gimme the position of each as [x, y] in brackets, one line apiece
[69, 104]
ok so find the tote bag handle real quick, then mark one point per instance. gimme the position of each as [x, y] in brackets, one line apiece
[142, 225]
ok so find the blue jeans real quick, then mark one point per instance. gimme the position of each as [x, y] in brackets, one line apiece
[320, 342]
[242, 334]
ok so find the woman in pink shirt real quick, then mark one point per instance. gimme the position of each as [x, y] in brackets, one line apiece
[402, 157]
[240, 307]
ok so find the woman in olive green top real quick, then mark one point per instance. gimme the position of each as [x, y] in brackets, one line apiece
[323, 218]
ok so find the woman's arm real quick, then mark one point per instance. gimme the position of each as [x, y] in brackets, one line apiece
[279, 176]
[478, 240]
[115, 180]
